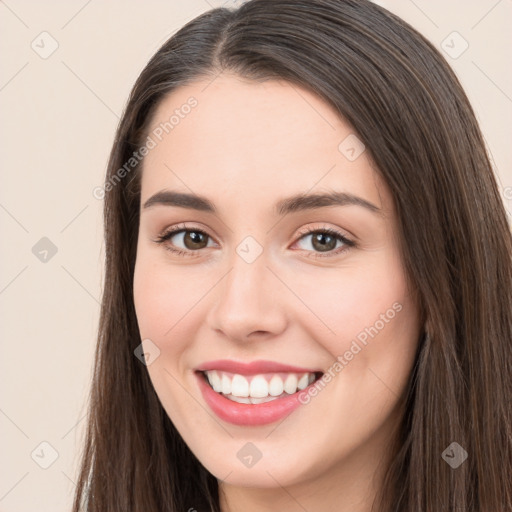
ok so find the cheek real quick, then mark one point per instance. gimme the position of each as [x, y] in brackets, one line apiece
[353, 302]
[161, 298]
[369, 325]
[161, 305]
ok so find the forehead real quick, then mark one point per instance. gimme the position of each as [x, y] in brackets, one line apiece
[262, 140]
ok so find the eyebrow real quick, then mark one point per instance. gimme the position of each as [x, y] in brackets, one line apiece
[296, 203]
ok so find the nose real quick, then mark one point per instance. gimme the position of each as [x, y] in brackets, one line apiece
[248, 303]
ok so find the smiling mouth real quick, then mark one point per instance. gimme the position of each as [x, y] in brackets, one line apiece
[259, 388]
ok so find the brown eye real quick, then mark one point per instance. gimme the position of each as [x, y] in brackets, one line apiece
[182, 241]
[194, 240]
[325, 241]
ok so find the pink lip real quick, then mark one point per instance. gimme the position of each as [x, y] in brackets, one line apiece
[252, 368]
[247, 414]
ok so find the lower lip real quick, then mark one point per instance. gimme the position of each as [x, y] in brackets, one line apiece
[247, 414]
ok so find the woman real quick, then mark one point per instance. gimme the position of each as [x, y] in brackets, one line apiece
[307, 302]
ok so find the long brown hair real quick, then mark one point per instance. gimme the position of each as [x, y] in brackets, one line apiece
[407, 106]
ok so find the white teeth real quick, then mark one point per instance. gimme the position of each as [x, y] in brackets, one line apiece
[250, 400]
[303, 382]
[239, 399]
[215, 381]
[226, 384]
[262, 400]
[259, 387]
[239, 386]
[275, 386]
[290, 384]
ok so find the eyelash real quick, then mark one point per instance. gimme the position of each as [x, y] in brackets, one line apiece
[348, 244]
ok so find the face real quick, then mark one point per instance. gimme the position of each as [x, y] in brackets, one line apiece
[261, 294]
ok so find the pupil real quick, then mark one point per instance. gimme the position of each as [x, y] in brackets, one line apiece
[194, 237]
[323, 244]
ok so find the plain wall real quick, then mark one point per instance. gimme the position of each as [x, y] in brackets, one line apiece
[59, 114]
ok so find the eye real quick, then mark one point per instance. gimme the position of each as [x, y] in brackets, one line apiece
[325, 240]
[191, 237]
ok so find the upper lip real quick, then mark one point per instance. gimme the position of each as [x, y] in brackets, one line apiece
[252, 368]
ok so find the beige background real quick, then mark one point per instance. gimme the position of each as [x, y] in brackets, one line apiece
[59, 114]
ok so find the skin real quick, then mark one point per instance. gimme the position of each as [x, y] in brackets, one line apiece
[245, 146]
